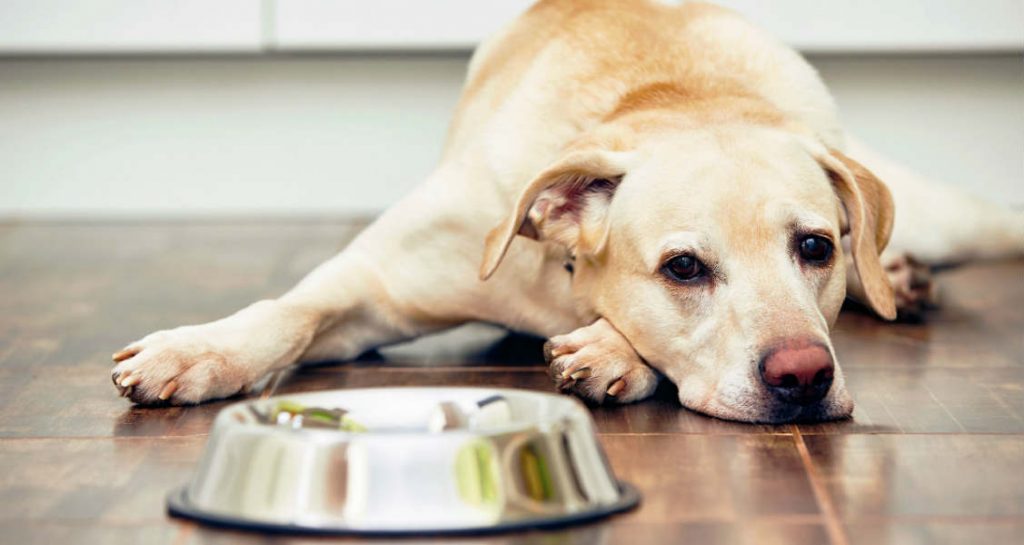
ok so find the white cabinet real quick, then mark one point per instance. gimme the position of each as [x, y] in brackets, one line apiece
[855, 26]
[254, 26]
[389, 24]
[847, 26]
[130, 26]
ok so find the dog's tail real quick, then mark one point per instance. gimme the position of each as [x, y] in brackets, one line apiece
[938, 224]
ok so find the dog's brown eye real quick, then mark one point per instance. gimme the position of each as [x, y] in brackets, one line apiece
[684, 268]
[815, 249]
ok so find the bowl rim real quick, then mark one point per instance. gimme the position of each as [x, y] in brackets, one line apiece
[179, 506]
[515, 427]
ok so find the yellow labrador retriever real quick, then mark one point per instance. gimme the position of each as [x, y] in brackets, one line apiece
[654, 188]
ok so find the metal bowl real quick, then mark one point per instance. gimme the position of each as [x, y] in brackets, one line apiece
[403, 460]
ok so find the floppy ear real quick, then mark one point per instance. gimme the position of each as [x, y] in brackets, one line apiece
[869, 211]
[566, 203]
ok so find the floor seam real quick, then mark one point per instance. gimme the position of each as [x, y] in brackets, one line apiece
[944, 409]
[833, 525]
[999, 400]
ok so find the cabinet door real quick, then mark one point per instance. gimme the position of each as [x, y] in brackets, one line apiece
[847, 26]
[855, 26]
[129, 26]
[388, 24]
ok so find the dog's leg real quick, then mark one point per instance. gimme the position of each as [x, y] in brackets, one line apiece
[339, 311]
[936, 224]
[402, 277]
[194, 363]
[597, 363]
[911, 281]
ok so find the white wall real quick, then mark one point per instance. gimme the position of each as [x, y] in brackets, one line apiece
[236, 135]
[957, 119]
[329, 134]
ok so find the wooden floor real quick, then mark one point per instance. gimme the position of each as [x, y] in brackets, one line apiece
[934, 454]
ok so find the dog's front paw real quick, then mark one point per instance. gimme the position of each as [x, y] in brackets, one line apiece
[179, 367]
[197, 363]
[912, 285]
[597, 363]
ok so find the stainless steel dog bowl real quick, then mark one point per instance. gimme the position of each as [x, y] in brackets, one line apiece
[403, 460]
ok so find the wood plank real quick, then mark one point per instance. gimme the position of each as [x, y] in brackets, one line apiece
[97, 481]
[921, 475]
[750, 532]
[80, 401]
[980, 323]
[723, 478]
[931, 400]
[931, 455]
[937, 532]
[88, 532]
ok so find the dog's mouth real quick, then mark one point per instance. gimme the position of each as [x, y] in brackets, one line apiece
[790, 413]
[747, 399]
[759, 409]
[779, 413]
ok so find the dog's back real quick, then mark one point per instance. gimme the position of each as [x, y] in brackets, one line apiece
[566, 65]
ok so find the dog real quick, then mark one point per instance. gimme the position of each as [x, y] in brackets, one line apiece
[662, 191]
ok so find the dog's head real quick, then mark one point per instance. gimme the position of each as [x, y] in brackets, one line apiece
[720, 256]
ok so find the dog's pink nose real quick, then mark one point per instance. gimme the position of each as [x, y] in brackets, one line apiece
[798, 372]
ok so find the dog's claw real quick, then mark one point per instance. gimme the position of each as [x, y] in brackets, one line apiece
[580, 374]
[548, 347]
[616, 388]
[122, 355]
[168, 390]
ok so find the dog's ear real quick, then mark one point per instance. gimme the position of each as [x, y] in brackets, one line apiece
[869, 212]
[566, 203]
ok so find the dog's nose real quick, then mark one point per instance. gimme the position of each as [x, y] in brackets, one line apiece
[798, 372]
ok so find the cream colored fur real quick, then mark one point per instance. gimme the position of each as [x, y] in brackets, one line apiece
[615, 133]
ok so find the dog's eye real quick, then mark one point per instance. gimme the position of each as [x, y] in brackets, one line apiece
[684, 268]
[815, 249]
